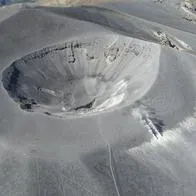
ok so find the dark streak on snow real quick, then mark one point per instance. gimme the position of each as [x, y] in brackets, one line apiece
[87, 106]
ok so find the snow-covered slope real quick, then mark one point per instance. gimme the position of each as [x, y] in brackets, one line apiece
[97, 100]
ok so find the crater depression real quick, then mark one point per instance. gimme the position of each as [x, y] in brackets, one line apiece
[83, 76]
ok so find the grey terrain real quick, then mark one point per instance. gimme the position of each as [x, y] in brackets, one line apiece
[98, 99]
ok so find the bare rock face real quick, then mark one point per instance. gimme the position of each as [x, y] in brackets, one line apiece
[83, 76]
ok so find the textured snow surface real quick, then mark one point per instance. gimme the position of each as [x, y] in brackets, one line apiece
[98, 100]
